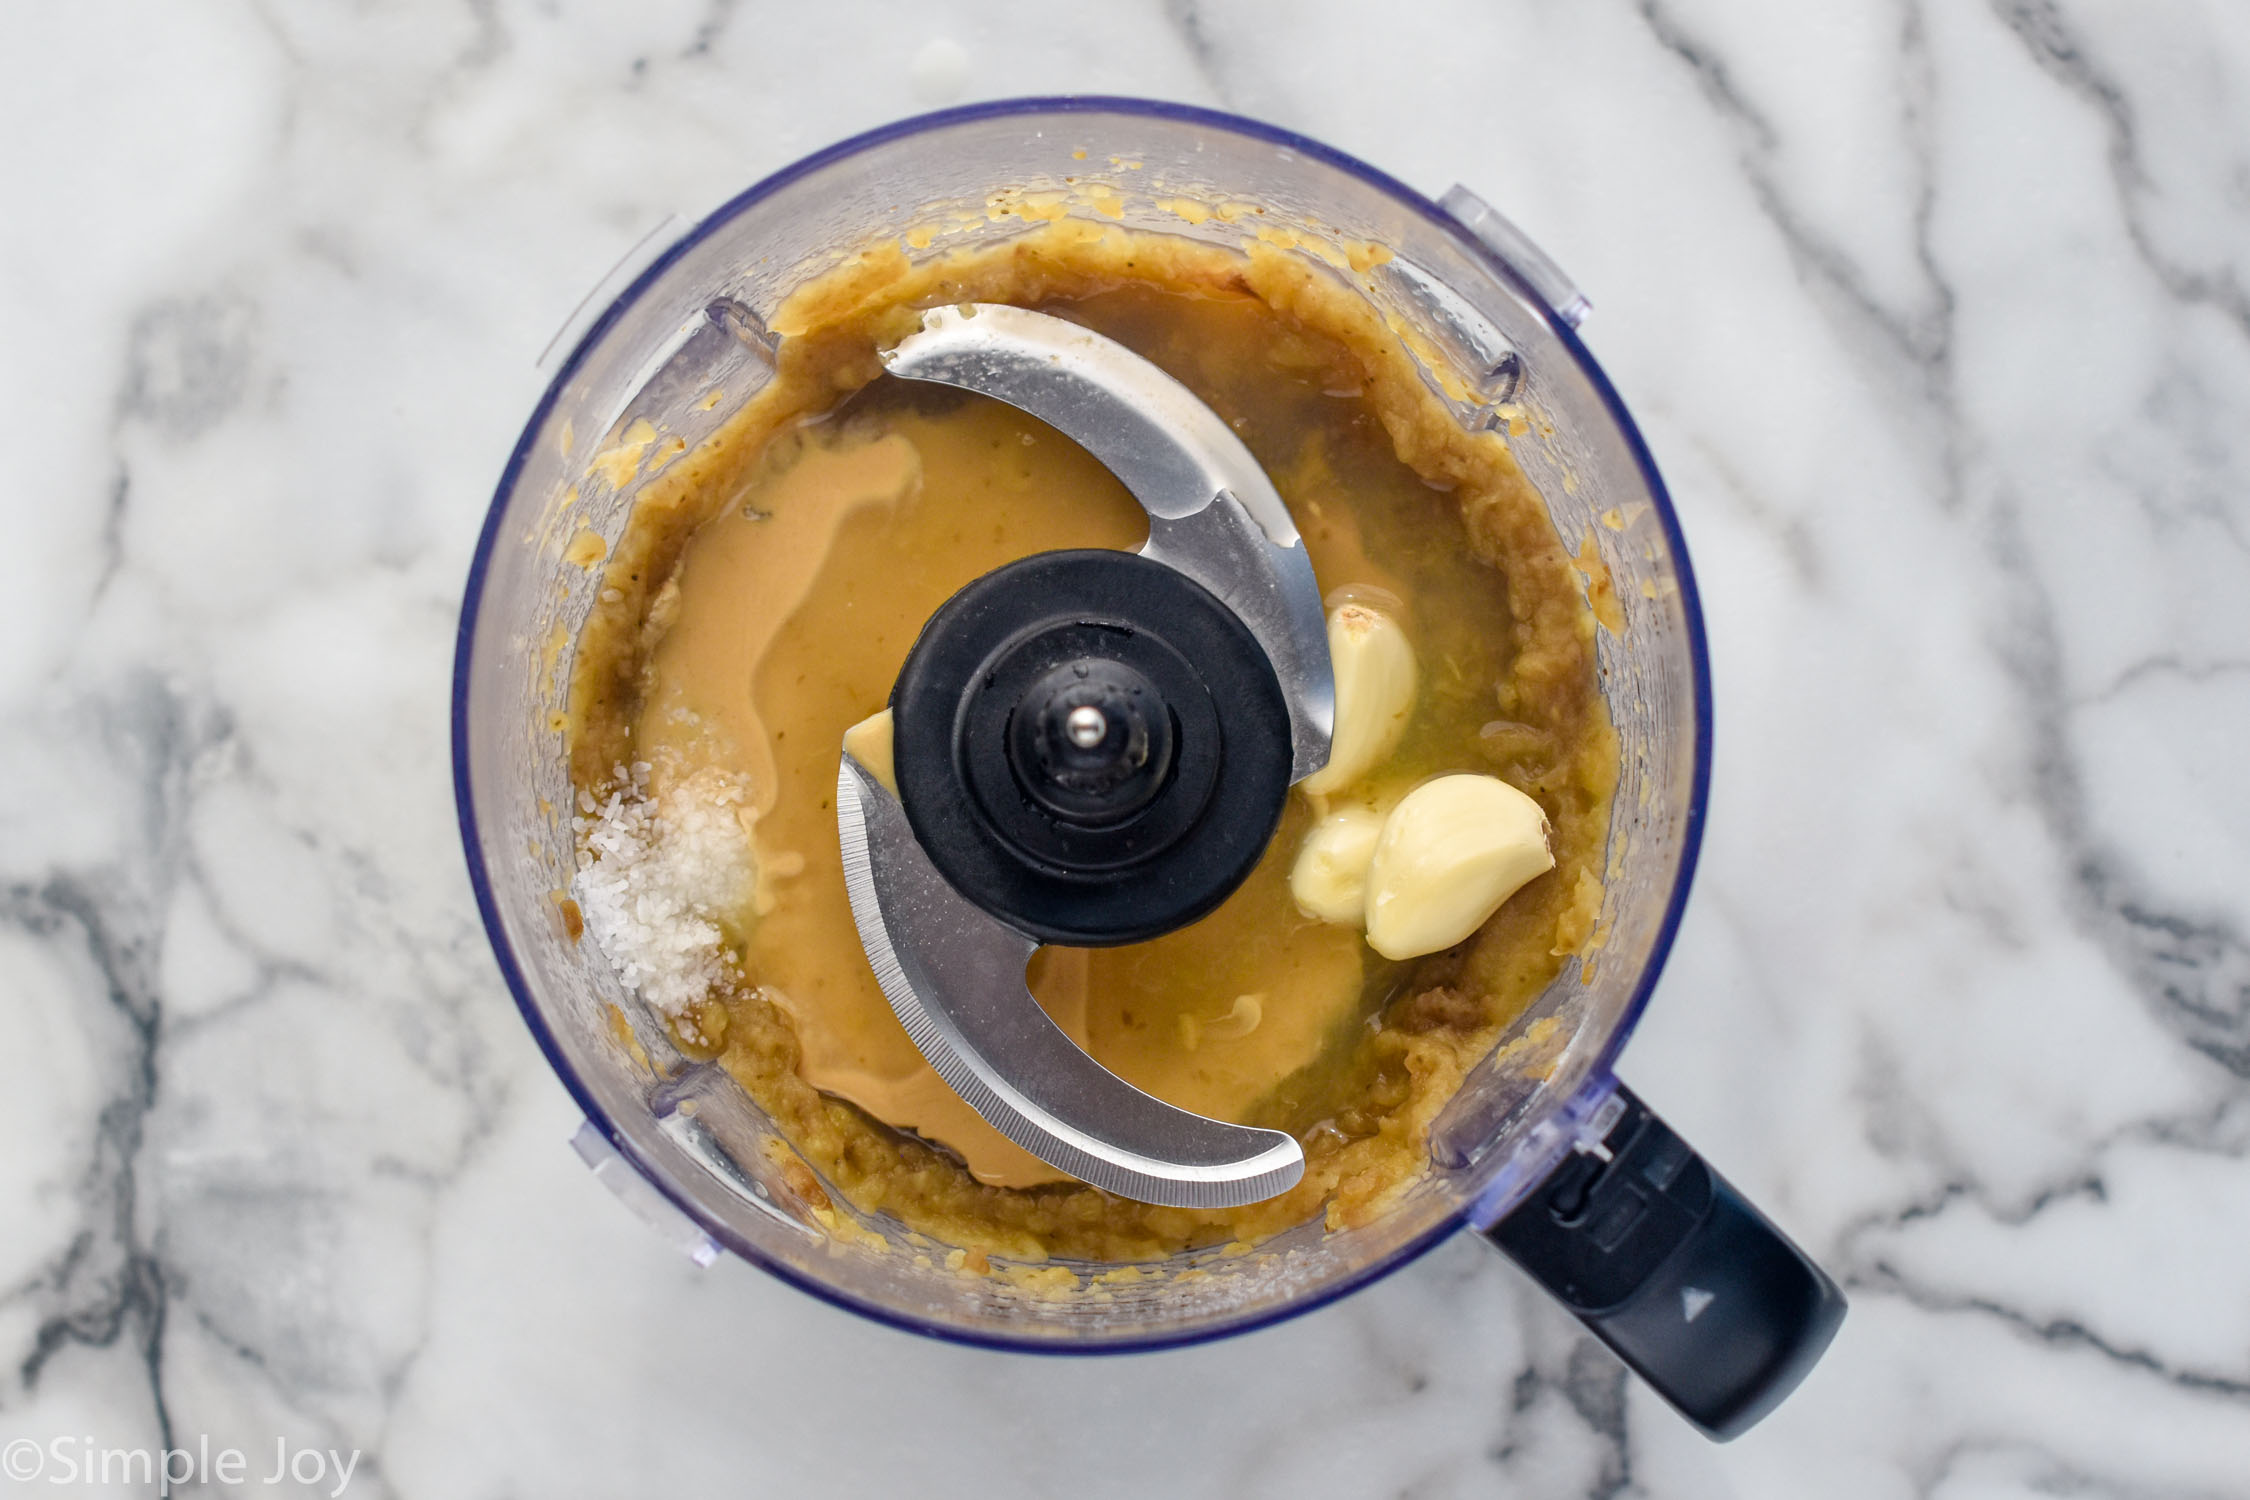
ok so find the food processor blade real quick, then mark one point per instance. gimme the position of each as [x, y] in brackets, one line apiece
[1213, 513]
[951, 968]
[955, 976]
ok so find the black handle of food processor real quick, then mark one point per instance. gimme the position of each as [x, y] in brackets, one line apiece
[1673, 1269]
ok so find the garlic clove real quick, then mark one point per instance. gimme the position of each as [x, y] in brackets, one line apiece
[1375, 677]
[1329, 879]
[1449, 854]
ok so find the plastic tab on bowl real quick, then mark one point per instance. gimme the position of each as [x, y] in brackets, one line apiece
[612, 285]
[614, 1172]
[1516, 250]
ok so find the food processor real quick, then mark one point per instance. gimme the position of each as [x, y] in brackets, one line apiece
[1542, 1150]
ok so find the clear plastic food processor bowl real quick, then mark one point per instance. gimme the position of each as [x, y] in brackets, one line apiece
[680, 1140]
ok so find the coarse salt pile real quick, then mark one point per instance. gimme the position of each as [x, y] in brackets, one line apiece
[655, 875]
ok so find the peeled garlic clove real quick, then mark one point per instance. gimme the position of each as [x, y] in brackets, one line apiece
[1329, 880]
[1448, 855]
[1374, 666]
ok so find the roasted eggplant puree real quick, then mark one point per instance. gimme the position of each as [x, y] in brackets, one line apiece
[765, 593]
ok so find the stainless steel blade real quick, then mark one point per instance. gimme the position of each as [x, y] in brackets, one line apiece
[1213, 513]
[955, 976]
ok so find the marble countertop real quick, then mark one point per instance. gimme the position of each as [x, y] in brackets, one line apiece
[1937, 316]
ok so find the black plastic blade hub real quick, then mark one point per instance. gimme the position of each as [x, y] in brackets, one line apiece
[1090, 746]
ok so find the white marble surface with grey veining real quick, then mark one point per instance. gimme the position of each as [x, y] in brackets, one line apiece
[1937, 316]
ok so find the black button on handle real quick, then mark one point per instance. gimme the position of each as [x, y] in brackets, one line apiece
[1674, 1270]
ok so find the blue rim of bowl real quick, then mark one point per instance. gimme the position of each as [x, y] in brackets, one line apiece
[1691, 608]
